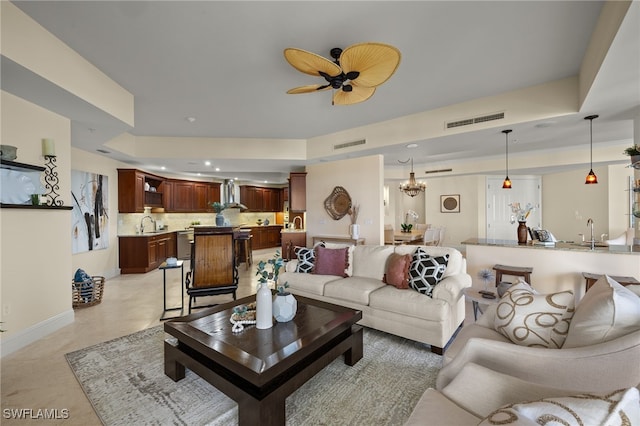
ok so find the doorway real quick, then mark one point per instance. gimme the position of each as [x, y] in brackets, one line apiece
[525, 190]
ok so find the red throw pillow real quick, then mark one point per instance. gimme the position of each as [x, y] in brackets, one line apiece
[397, 273]
[331, 261]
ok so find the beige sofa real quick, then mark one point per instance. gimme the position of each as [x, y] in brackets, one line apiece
[407, 313]
[484, 371]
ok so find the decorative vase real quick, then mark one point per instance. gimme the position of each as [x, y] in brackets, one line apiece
[354, 230]
[522, 232]
[264, 308]
[219, 219]
[285, 307]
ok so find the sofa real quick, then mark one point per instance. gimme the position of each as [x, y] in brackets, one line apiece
[486, 375]
[359, 284]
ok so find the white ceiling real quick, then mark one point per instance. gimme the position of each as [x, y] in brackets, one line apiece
[222, 63]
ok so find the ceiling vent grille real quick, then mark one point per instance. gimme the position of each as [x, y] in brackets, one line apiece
[349, 144]
[437, 171]
[474, 120]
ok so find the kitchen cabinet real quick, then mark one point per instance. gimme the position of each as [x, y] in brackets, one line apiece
[185, 196]
[143, 253]
[297, 192]
[133, 196]
[182, 196]
[260, 199]
[204, 194]
[291, 240]
[265, 236]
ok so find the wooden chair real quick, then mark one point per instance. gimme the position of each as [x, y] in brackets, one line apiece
[214, 269]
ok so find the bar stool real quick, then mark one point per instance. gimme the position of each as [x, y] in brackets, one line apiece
[243, 241]
[590, 279]
[518, 271]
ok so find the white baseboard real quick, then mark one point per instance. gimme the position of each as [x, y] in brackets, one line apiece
[37, 331]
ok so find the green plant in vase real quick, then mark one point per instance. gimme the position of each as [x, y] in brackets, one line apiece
[218, 208]
[275, 264]
[634, 153]
[406, 227]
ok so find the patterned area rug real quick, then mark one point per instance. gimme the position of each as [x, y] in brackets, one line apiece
[125, 382]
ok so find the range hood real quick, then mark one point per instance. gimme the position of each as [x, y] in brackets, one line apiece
[231, 195]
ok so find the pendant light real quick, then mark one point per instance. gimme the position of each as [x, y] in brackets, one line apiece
[591, 177]
[412, 188]
[507, 182]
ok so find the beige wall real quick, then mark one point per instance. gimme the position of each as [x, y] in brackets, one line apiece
[35, 290]
[363, 180]
[99, 262]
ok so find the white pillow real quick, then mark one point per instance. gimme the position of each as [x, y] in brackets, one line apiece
[607, 311]
[531, 319]
[620, 407]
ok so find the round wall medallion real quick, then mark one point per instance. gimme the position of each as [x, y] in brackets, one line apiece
[338, 203]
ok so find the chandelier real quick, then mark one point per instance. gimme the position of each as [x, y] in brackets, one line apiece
[412, 188]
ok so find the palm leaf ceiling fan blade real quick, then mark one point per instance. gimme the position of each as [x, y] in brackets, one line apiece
[308, 89]
[356, 95]
[375, 62]
[310, 63]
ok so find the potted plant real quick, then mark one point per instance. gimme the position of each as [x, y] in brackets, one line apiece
[354, 228]
[218, 208]
[406, 227]
[634, 153]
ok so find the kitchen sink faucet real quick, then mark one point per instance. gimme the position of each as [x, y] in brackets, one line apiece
[142, 223]
[294, 222]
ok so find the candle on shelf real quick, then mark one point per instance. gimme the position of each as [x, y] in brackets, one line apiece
[48, 148]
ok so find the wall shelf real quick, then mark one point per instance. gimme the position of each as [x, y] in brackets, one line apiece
[29, 206]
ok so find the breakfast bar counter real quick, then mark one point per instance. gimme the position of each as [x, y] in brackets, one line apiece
[555, 268]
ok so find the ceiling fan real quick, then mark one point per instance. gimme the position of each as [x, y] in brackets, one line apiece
[355, 72]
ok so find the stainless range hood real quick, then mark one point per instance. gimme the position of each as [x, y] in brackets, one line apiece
[231, 195]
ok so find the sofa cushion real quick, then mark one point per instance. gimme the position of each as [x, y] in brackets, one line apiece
[370, 261]
[455, 264]
[354, 289]
[307, 283]
[331, 261]
[426, 271]
[607, 311]
[620, 407]
[531, 319]
[397, 273]
[409, 303]
[481, 390]
[306, 259]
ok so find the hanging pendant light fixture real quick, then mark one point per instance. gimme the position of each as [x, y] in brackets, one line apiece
[412, 188]
[591, 177]
[507, 182]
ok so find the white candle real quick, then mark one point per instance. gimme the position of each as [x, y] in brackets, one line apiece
[48, 148]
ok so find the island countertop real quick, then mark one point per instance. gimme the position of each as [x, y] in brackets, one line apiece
[560, 245]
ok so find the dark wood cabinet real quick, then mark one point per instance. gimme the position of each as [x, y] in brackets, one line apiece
[291, 240]
[140, 254]
[182, 196]
[297, 192]
[131, 193]
[265, 236]
[260, 199]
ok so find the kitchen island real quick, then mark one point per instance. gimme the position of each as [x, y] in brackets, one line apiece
[555, 268]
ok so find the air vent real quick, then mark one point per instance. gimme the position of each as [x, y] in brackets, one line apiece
[104, 151]
[437, 171]
[348, 144]
[475, 120]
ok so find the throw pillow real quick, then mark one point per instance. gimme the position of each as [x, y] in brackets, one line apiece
[349, 270]
[398, 270]
[621, 407]
[426, 271]
[331, 261]
[531, 319]
[306, 259]
[607, 311]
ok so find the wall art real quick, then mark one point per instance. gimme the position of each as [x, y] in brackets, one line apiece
[450, 203]
[90, 215]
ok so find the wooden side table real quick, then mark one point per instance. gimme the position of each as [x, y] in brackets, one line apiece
[476, 299]
[517, 271]
[164, 266]
[590, 279]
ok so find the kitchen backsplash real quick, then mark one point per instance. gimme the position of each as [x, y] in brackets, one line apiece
[129, 223]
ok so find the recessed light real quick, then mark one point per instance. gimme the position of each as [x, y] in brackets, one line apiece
[163, 168]
[199, 174]
[191, 119]
[217, 169]
[207, 163]
[412, 145]
[266, 181]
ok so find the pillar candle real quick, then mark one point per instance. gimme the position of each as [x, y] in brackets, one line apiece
[48, 148]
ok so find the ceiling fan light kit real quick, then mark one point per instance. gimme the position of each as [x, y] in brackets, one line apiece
[354, 73]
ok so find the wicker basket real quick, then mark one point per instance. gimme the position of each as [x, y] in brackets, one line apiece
[84, 296]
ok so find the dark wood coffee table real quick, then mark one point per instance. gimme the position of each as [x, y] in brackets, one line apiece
[260, 368]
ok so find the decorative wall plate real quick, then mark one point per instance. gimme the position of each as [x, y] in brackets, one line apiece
[338, 203]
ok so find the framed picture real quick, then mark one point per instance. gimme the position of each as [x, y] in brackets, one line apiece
[450, 203]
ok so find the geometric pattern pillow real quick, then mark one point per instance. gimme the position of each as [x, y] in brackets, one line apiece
[531, 319]
[426, 271]
[621, 407]
[306, 259]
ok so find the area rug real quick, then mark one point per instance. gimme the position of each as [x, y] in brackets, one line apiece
[125, 382]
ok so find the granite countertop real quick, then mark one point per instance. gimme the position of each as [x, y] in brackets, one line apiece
[149, 234]
[560, 245]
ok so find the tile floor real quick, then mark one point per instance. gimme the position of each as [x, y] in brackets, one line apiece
[38, 376]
